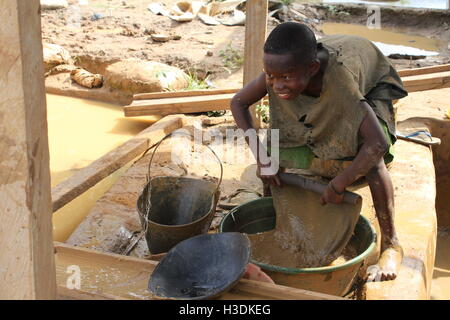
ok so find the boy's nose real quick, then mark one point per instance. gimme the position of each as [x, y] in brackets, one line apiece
[277, 84]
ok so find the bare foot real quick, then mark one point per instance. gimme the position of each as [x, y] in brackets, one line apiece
[254, 272]
[388, 265]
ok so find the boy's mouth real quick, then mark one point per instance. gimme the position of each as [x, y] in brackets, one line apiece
[284, 95]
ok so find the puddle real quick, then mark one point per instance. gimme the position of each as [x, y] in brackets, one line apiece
[81, 131]
[429, 4]
[386, 40]
[440, 289]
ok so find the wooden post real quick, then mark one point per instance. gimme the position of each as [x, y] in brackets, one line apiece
[27, 268]
[255, 36]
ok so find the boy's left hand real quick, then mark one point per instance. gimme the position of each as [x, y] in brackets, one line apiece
[330, 195]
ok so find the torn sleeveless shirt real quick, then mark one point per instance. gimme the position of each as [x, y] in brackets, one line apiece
[329, 124]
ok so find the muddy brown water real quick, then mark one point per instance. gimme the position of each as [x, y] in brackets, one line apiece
[440, 289]
[81, 131]
[383, 35]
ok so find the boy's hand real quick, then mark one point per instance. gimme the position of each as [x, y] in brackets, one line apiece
[332, 195]
[272, 179]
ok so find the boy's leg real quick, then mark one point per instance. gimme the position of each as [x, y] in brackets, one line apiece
[382, 191]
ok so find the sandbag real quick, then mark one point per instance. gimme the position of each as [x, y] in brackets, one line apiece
[55, 55]
[86, 79]
[137, 76]
[53, 4]
[306, 234]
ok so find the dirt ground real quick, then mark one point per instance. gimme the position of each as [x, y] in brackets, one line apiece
[124, 28]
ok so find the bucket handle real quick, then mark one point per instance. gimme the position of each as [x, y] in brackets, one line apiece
[133, 243]
[189, 135]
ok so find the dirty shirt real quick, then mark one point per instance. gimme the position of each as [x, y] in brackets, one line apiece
[329, 124]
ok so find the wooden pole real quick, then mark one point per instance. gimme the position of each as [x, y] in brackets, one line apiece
[27, 267]
[255, 36]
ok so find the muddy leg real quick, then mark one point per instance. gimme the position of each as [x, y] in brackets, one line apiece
[383, 198]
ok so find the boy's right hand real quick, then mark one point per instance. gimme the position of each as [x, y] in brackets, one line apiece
[270, 179]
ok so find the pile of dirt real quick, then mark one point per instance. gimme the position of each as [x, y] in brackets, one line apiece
[101, 33]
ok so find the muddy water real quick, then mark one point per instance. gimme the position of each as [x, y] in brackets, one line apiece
[440, 289]
[81, 131]
[382, 35]
[441, 154]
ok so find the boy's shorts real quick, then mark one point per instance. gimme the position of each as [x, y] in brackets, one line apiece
[302, 157]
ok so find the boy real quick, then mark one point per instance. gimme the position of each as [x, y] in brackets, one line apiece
[332, 103]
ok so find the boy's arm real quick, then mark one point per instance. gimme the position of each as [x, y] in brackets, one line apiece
[247, 96]
[371, 152]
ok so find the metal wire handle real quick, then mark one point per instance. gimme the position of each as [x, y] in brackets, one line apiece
[147, 211]
[191, 136]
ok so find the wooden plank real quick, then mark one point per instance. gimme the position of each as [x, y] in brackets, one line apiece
[112, 276]
[27, 268]
[427, 81]
[63, 293]
[179, 105]
[255, 36]
[424, 70]
[425, 87]
[175, 94]
[87, 177]
[201, 101]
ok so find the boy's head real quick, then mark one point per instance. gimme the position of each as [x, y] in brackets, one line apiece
[290, 59]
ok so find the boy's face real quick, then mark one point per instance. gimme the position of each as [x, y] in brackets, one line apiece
[286, 76]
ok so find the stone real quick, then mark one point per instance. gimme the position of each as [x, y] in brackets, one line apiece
[55, 55]
[137, 76]
[53, 4]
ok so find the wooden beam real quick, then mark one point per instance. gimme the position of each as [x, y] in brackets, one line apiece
[27, 268]
[175, 94]
[89, 176]
[427, 81]
[112, 276]
[424, 70]
[255, 36]
[179, 105]
[164, 103]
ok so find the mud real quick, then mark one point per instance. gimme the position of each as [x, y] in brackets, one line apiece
[295, 242]
[125, 28]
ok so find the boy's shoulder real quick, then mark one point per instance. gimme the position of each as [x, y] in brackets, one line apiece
[344, 39]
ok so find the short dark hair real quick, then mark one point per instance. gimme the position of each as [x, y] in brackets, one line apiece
[294, 38]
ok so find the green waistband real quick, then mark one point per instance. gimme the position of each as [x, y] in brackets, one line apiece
[301, 157]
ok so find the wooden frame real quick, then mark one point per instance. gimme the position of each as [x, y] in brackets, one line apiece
[135, 274]
[27, 268]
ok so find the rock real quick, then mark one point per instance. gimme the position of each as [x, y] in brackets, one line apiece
[86, 79]
[159, 37]
[96, 16]
[62, 68]
[53, 4]
[137, 76]
[55, 55]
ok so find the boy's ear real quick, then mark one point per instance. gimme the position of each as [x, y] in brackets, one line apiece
[314, 67]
